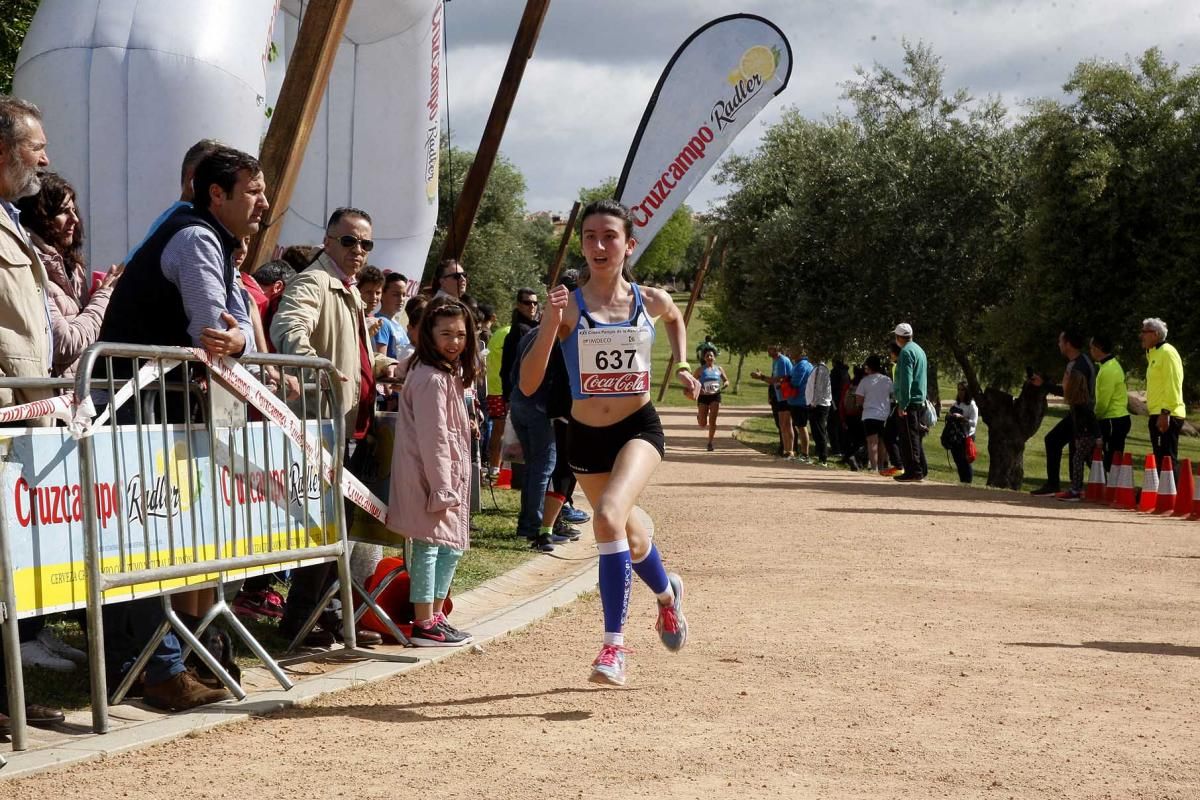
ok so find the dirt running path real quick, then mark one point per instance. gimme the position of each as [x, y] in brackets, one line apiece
[851, 637]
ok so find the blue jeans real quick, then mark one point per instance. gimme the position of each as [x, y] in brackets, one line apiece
[127, 628]
[536, 434]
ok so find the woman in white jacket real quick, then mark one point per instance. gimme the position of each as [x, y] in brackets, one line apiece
[818, 394]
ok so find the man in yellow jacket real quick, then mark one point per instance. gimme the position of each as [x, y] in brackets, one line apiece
[1112, 399]
[1164, 390]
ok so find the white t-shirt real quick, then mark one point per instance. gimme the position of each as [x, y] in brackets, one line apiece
[971, 412]
[876, 392]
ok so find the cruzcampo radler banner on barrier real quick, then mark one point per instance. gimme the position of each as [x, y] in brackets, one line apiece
[279, 497]
[717, 81]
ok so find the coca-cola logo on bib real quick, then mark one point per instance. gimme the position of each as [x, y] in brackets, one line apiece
[626, 383]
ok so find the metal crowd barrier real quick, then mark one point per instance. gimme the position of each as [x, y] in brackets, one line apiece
[186, 488]
[176, 547]
[14, 675]
[361, 528]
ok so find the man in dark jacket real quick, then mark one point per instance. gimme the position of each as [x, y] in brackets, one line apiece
[180, 288]
[524, 319]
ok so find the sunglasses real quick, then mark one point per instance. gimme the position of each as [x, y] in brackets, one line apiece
[349, 241]
[458, 276]
[528, 303]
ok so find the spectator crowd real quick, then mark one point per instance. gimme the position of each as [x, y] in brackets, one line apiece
[419, 355]
[875, 416]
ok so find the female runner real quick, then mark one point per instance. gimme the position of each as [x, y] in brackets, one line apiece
[712, 381]
[615, 439]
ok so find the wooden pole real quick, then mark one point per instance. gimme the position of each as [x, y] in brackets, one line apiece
[562, 247]
[698, 285]
[467, 205]
[292, 121]
[687, 314]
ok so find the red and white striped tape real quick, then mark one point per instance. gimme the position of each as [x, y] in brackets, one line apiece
[241, 382]
[81, 419]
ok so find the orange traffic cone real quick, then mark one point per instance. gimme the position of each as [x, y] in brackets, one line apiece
[1166, 488]
[1114, 477]
[1148, 500]
[1196, 502]
[1124, 498]
[1186, 501]
[1095, 484]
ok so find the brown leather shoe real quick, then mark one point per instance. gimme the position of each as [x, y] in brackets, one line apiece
[181, 692]
[39, 716]
[42, 716]
[367, 638]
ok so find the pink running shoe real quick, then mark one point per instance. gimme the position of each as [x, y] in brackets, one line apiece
[609, 666]
[671, 624]
[256, 605]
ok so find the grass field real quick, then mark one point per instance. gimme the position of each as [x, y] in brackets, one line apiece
[749, 392]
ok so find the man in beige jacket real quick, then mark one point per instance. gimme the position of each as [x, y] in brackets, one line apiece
[25, 337]
[321, 314]
[26, 346]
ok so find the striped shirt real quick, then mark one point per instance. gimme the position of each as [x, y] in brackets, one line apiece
[194, 262]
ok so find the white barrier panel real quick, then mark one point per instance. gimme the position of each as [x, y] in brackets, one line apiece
[43, 498]
[127, 87]
[375, 143]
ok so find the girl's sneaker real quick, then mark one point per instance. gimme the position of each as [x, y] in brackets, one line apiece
[609, 666]
[439, 635]
[440, 619]
[254, 605]
[671, 624]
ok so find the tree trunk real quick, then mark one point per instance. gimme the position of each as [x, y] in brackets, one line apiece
[1011, 422]
[737, 382]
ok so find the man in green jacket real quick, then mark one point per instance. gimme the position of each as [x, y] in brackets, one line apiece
[909, 388]
[1164, 391]
[1112, 399]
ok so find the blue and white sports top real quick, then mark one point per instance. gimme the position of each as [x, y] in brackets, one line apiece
[710, 380]
[609, 359]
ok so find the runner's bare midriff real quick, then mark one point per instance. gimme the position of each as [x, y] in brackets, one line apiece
[599, 412]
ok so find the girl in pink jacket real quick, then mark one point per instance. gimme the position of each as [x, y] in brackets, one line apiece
[430, 495]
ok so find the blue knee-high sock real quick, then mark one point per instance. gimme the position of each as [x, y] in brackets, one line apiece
[616, 577]
[652, 572]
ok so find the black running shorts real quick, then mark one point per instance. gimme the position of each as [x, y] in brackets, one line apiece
[593, 451]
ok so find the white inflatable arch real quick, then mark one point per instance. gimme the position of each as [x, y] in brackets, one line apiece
[127, 86]
[375, 143]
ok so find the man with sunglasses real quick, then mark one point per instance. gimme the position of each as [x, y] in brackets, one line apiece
[321, 314]
[451, 280]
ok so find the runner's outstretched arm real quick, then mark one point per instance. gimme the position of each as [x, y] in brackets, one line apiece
[533, 367]
[660, 304]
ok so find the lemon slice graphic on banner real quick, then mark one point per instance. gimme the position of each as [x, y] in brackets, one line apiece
[758, 60]
[184, 475]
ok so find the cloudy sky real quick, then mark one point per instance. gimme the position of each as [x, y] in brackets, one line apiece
[597, 62]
